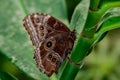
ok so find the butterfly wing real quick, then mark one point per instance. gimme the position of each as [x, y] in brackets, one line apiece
[33, 25]
[52, 41]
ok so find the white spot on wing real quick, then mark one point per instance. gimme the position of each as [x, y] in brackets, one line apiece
[35, 16]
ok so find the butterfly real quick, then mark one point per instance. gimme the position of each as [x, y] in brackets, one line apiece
[52, 39]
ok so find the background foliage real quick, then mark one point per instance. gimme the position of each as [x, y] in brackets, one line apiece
[16, 50]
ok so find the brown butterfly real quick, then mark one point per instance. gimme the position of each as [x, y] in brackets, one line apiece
[52, 40]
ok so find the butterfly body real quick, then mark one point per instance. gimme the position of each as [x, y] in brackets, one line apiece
[52, 40]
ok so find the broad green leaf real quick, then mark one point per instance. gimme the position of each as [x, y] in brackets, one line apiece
[111, 24]
[14, 40]
[95, 16]
[8, 67]
[113, 12]
[78, 21]
[109, 21]
[79, 16]
[71, 6]
[94, 4]
[84, 44]
[54, 8]
[6, 76]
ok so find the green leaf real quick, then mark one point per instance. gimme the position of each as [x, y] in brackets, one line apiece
[14, 40]
[95, 16]
[78, 21]
[79, 16]
[16, 45]
[111, 24]
[111, 13]
[94, 4]
[110, 21]
[51, 7]
[6, 76]
[8, 67]
[71, 6]
[84, 43]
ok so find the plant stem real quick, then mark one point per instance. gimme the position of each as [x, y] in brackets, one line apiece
[94, 4]
[84, 42]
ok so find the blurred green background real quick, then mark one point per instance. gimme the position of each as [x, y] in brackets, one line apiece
[16, 50]
[104, 61]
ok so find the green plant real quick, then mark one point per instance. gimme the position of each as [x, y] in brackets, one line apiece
[92, 19]
[103, 63]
